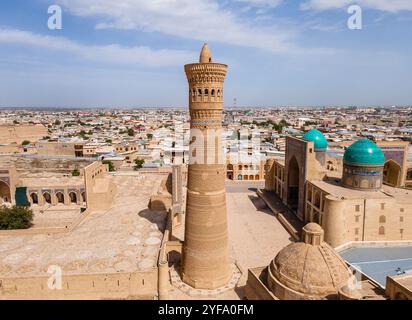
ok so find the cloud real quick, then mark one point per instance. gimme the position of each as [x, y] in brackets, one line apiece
[202, 20]
[112, 53]
[261, 3]
[381, 5]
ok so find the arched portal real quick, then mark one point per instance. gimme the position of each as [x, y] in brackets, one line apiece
[293, 184]
[60, 197]
[409, 174]
[392, 173]
[47, 197]
[34, 198]
[73, 197]
[5, 194]
[84, 196]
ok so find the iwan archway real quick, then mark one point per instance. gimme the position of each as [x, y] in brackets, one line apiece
[293, 184]
[5, 193]
[392, 173]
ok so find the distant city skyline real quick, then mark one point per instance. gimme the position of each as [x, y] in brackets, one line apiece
[130, 53]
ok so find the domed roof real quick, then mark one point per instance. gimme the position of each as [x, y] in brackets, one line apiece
[308, 270]
[318, 138]
[313, 227]
[365, 152]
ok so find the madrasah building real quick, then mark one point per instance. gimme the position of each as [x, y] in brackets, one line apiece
[358, 198]
[339, 205]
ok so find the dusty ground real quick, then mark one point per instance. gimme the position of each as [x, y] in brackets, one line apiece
[256, 236]
[59, 216]
[125, 238]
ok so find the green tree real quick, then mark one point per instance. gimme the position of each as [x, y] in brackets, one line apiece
[149, 136]
[16, 217]
[112, 168]
[25, 143]
[75, 172]
[57, 122]
[139, 163]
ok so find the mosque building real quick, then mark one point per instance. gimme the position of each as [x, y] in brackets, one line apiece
[309, 270]
[358, 198]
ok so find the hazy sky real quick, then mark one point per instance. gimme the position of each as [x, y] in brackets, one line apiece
[131, 53]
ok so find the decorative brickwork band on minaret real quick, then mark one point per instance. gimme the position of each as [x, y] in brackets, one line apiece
[205, 261]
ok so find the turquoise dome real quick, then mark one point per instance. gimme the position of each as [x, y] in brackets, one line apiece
[318, 138]
[364, 152]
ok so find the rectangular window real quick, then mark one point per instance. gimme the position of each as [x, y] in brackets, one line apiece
[356, 231]
[357, 218]
[402, 209]
[357, 208]
[382, 206]
[401, 219]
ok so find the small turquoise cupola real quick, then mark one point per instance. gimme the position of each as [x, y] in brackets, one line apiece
[363, 166]
[364, 152]
[321, 144]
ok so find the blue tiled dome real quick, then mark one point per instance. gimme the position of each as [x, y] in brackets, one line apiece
[364, 152]
[318, 138]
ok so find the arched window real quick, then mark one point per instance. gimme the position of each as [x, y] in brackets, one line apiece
[310, 194]
[382, 219]
[60, 197]
[34, 198]
[317, 199]
[73, 197]
[84, 196]
[47, 197]
[381, 230]
[206, 92]
[199, 92]
[218, 93]
[194, 92]
[213, 92]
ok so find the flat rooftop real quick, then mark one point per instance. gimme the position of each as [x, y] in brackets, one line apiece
[333, 186]
[380, 262]
[125, 238]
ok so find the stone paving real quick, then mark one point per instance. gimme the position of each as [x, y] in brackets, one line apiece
[204, 293]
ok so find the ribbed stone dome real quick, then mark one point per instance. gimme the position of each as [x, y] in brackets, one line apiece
[318, 138]
[308, 270]
[364, 152]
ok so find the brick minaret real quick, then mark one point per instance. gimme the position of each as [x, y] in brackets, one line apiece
[205, 261]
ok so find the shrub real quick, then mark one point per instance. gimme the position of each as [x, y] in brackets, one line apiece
[15, 218]
[75, 172]
[111, 165]
[139, 163]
